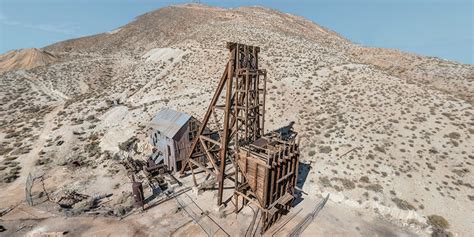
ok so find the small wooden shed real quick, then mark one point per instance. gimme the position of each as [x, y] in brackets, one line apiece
[172, 133]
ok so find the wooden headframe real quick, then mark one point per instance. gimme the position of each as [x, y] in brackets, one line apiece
[265, 166]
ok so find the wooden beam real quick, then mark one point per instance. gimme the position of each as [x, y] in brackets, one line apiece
[250, 199]
[202, 128]
[202, 167]
[209, 155]
[225, 136]
[209, 140]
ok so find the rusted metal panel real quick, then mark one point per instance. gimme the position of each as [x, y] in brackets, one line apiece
[138, 197]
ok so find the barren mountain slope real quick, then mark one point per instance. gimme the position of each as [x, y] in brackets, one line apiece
[25, 59]
[450, 77]
[171, 25]
[384, 132]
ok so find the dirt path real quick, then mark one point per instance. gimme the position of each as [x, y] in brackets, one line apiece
[44, 86]
[27, 162]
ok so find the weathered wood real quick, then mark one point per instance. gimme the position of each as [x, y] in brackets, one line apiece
[202, 128]
[203, 167]
[209, 155]
[249, 199]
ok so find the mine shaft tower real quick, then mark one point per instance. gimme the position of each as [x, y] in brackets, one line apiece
[263, 167]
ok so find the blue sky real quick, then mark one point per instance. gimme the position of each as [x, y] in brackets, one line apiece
[442, 28]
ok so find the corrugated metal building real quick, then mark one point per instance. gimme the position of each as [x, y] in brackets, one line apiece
[172, 133]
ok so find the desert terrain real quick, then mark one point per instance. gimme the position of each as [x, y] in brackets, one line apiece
[388, 134]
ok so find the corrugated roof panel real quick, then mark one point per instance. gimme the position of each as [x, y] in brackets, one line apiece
[169, 121]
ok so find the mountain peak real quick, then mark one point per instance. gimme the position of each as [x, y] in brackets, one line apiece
[25, 59]
[204, 24]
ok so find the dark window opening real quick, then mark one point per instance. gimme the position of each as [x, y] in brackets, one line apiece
[193, 129]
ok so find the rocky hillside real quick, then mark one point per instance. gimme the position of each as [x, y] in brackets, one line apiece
[382, 130]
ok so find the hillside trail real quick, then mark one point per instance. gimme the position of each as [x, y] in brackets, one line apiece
[16, 189]
[45, 86]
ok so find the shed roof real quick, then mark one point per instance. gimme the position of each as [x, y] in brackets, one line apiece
[169, 121]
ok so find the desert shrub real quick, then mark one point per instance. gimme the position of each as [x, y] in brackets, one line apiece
[437, 232]
[325, 181]
[10, 178]
[90, 117]
[10, 158]
[5, 150]
[379, 149]
[375, 187]
[94, 137]
[461, 172]
[43, 161]
[454, 135]
[438, 221]
[364, 179]
[348, 184]
[325, 149]
[402, 204]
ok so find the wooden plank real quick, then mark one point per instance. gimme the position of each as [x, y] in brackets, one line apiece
[272, 185]
[285, 177]
[250, 199]
[282, 201]
[255, 172]
[209, 140]
[254, 157]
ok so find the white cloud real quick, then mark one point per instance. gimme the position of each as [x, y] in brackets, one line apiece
[63, 28]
